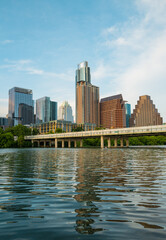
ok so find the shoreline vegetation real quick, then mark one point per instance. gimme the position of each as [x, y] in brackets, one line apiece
[7, 138]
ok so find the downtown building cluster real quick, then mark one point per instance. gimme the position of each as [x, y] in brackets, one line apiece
[90, 112]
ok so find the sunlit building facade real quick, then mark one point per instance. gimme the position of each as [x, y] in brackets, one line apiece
[65, 112]
[113, 112]
[145, 113]
[87, 97]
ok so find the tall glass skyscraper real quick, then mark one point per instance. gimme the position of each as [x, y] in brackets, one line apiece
[46, 110]
[87, 97]
[65, 112]
[128, 114]
[21, 106]
[83, 73]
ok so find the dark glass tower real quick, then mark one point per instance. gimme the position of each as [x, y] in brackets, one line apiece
[46, 110]
[21, 106]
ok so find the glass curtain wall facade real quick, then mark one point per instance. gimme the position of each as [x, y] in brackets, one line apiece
[19, 97]
[46, 110]
[128, 114]
[65, 112]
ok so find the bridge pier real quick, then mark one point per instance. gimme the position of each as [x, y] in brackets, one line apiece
[102, 142]
[75, 143]
[127, 142]
[50, 143]
[32, 143]
[63, 143]
[109, 142]
[115, 142]
[56, 142]
[81, 143]
[38, 143]
[121, 142]
[44, 143]
[69, 143]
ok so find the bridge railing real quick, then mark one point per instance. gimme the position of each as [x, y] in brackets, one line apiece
[105, 132]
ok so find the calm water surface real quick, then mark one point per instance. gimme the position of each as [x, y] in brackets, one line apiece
[82, 194]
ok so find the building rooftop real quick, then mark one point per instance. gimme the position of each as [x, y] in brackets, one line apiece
[118, 96]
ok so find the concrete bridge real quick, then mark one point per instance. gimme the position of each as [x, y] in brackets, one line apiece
[50, 140]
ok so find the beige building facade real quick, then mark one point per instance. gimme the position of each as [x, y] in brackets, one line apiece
[145, 113]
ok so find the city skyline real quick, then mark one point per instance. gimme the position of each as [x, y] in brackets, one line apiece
[124, 45]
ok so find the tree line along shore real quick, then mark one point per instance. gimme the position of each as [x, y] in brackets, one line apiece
[7, 138]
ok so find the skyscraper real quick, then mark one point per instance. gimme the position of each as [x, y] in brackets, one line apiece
[145, 113]
[46, 110]
[128, 114]
[112, 112]
[21, 106]
[65, 112]
[87, 97]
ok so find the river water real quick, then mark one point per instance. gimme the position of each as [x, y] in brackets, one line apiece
[82, 194]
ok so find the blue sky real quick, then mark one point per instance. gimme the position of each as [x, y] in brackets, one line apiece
[124, 41]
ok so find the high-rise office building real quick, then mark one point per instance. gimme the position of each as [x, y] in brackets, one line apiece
[3, 122]
[145, 113]
[83, 73]
[46, 110]
[21, 106]
[128, 114]
[112, 112]
[87, 97]
[65, 112]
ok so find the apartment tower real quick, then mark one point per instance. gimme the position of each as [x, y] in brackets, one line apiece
[87, 97]
[112, 112]
[145, 113]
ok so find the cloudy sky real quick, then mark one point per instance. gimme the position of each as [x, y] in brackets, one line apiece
[124, 41]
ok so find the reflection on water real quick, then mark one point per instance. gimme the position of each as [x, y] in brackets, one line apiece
[83, 193]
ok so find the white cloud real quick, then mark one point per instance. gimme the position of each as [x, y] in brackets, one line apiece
[138, 55]
[6, 41]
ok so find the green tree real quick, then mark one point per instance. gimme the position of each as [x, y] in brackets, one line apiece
[78, 129]
[58, 130]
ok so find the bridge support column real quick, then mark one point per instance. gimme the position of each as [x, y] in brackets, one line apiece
[32, 143]
[75, 143]
[127, 142]
[56, 142]
[44, 143]
[50, 143]
[38, 143]
[115, 142]
[102, 142]
[81, 143]
[109, 142]
[63, 143]
[121, 142]
[69, 143]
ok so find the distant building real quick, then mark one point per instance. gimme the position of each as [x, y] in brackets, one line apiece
[112, 112]
[21, 106]
[87, 97]
[145, 113]
[66, 126]
[3, 122]
[46, 110]
[128, 114]
[65, 112]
